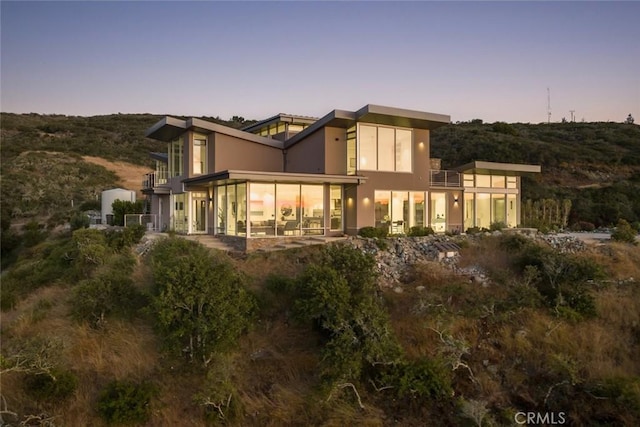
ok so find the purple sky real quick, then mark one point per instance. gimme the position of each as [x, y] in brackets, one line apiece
[491, 60]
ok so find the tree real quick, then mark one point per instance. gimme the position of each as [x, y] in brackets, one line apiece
[122, 208]
[629, 120]
[200, 301]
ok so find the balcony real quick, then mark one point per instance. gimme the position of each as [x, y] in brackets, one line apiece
[154, 179]
[445, 178]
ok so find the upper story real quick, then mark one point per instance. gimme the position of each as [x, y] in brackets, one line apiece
[373, 140]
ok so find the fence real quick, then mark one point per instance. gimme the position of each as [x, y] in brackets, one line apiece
[148, 220]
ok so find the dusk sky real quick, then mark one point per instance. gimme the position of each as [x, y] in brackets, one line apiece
[492, 61]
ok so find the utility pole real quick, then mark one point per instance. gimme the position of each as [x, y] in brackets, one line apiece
[548, 105]
[573, 117]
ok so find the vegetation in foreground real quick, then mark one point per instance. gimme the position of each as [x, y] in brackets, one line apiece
[189, 336]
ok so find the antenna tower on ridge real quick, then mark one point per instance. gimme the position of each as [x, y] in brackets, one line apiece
[548, 105]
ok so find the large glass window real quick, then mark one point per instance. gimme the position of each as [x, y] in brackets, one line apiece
[262, 209]
[498, 208]
[439, 212]
[199, 155]
[288, 209]
[180, 224]
[483, 181]
[498, 181]
[483, 210]
[384, 148]
[241, 209]
[399, 212]
[368, 144]
[469, 210]
[351, 151]
[418, 209]
[336, 207]
[312, 209]
[232, 210]
[176, 150]
[403, 150]
[382, 208]
[221, 214]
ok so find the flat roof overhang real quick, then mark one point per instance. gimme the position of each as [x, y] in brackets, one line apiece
[513, 169]
[231, 176]
[162, 157]
[376, 114]
[167, 129]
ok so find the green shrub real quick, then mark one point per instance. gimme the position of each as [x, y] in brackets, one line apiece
[126, 237]
[200, 301]
[421, 231]
[423, 378]
[374, 232]
[474, 230]
[79, 220]
[338, 294]
[51, 386]
[624, 232]
[124, 402]
[33, 233]
[497, 226]
[583, 226]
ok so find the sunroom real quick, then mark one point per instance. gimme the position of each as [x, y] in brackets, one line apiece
[250, 204]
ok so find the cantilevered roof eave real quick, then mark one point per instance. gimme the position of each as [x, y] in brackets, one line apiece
[242, 175]
[204, 126]
[166, 129]
[496, 167]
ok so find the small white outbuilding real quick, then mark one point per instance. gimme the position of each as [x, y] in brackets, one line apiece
[109, 196]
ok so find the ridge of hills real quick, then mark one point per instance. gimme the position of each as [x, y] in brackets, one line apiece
[596, 165]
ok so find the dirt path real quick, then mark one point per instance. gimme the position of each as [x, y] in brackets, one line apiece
[130, 175]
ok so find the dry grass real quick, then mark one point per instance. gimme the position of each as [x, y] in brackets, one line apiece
[130, 175]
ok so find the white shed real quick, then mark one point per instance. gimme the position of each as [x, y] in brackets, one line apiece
[109, 196]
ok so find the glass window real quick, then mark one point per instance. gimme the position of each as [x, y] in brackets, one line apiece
[483, 181]
[417, 209]
[288, 209]
[232, 210]
[498, 208]
[468, 180]
[241, 209]
[176, 149]
[180, 223]
[221, 209]
[399, 212]
[336, 207]
[439, 212]
[382, 209]
[469, 210]
[262, 209]
[295, 128]
[351, 151]
[512, 220]
[199, 155]
[512, 182]
[313, 209]
[403, 150]
[368, 148]
[498, 181]
[386, 149]
[483, 210]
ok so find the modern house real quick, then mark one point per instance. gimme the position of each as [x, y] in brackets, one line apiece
[291, 176]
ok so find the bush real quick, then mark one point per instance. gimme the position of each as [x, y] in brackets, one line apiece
[200, 300]
[624, 232]
[52, 386]
[126, 237]
[126, 402]
[497, 226]
[583, 226]
[423, 378]
[79, 220]
[421, 231]
[474, 230]
[374, 232]
[33, 234]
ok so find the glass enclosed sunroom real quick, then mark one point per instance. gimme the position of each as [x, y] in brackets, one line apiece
[262, 204]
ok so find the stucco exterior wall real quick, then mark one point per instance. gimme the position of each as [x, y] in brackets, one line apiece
[307, 156]
[335, 151]
[232, 153]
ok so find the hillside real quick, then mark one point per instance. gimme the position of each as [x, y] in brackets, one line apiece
[184, 336]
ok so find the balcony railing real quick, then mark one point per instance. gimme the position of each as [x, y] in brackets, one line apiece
[154, 179]
[445, 178]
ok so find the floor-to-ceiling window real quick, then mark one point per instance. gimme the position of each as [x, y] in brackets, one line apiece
[312, 209]
[221, 211]
[335, 205]
[469, 210]
[399, 212]
[512, 218]
[199, 155]
[417, 209]
[439, 212]
[262, 209]
[384, 148]
[176, 150]
[483, 210]
[382, 205]
[498, 209]
[180, 224]
[198, 212]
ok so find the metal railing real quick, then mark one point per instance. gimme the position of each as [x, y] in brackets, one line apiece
[150, 221]
[154, 179]
[445, 178]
